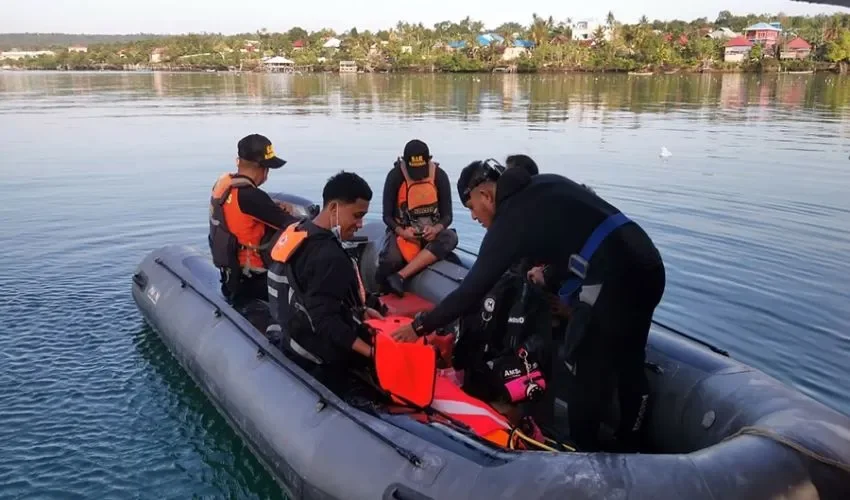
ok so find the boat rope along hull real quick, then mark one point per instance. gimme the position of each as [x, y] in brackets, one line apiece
[725, 430]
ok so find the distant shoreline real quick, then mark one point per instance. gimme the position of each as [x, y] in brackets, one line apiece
[729, 44]
[407, 71]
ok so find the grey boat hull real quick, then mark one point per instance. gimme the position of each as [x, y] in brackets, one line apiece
[721, 429]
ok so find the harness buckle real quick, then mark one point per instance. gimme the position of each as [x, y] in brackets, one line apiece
[578, 265]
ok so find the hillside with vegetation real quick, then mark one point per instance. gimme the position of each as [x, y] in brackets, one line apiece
[36, 41]
[544, 44]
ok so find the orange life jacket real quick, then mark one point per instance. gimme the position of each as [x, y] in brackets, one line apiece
[285, 294]
[482, 418]
[418, 204]
[247, 230]
[409, 370]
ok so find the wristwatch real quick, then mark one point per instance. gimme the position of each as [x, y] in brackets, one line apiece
[417, 324]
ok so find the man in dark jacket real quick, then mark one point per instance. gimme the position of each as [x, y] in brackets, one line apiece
[604, 266]
[417, 211]
[316, 296]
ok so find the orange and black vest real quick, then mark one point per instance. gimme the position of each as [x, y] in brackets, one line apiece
[236, 239]
[418, 200]
[290, 318]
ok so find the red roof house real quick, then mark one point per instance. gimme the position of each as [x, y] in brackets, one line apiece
[795, 49]
[737, 49]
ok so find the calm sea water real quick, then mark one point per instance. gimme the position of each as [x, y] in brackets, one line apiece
[751, 213]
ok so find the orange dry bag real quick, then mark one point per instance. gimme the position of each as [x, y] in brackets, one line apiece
[405, 370]
[408, 249]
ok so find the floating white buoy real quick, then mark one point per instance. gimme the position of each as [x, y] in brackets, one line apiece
[665, 153]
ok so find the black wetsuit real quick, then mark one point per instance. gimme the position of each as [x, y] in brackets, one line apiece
[545, 219]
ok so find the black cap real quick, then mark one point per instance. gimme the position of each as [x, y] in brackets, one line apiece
[258, 148]
[416, 153]
[476, 173]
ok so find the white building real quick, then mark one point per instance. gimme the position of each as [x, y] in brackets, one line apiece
[78, 48]
[512, 53]
[158, 55]
[279, 64]
[723, 34]
[586, 28]
[332, 43]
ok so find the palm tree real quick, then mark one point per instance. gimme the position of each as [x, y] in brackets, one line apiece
[539, 30]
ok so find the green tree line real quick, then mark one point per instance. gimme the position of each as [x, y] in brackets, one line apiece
[615, 46]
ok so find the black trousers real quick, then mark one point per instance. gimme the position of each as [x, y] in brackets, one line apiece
[611, 356]
[390, 259]
[251, 301]
[254, 287]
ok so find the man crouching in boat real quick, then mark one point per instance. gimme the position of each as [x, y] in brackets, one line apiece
[316, 297]
[612, 292]
[417, 211]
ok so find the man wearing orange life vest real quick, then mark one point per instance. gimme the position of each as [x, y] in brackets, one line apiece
[244, 218]
[316, 297]
[417, 211]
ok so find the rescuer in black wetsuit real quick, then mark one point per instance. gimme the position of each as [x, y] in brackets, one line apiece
[547, 218]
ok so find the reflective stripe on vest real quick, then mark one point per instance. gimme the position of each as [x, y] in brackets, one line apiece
[484, 420]
[247, 230]
[579, 264]
[283, 289]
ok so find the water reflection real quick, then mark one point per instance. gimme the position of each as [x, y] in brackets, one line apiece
[532, 98]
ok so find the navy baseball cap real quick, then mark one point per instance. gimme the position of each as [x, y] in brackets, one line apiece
[258, 148]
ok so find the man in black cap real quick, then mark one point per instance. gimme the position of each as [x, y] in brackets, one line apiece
[243, 220]
[417, 211]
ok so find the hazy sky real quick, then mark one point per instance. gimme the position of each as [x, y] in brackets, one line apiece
[229, 16]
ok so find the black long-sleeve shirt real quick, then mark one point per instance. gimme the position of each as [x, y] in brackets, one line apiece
[394, 181]
[330, 288]
[545, 219]
[256, 203]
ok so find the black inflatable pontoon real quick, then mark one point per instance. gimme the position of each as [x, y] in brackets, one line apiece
[719, 429]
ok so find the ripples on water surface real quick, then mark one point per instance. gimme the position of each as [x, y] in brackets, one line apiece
[751, 213]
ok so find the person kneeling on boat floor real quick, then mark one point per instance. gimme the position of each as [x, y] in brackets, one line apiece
[417, 210]
[316, 296]
[244, 220]
[606, 270]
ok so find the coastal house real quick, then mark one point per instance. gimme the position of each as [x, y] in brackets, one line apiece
[298, 45]
[560, 40]
[489, 38]
[347, 67]
[795, 49]
[585, 29]
[158, 55]
[682, 40]
[78, 48]
[722, 34]
[455, 45]
[766, 34]
[519, 48]
[332, 43]
[278, 64]
[737, 49]
[512, 53]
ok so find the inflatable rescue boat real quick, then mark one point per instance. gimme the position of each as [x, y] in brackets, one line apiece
[717, 428]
